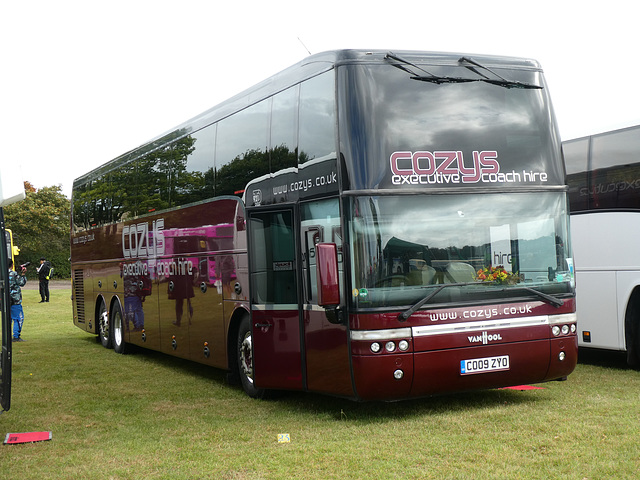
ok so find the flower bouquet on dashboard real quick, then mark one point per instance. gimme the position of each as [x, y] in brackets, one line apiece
[497, 275]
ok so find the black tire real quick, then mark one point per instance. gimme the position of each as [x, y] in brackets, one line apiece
[104, 326]
[244, 359]
[117, 329]
[632, 330]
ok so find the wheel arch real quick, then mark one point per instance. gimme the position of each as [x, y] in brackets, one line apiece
[232, 336]
[115, 300]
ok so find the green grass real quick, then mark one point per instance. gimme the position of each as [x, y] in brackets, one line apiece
[147, 415]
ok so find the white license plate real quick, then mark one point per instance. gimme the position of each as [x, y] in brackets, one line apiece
[482, 365]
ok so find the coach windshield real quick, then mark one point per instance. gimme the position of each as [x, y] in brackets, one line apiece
[484, 247]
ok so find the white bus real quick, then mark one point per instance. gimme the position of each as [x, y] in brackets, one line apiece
[603, 172]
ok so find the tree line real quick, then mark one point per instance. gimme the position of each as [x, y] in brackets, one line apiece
[40, 228]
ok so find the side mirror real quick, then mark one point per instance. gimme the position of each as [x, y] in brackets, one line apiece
[327, 270]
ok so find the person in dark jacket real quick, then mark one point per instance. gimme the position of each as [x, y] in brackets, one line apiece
[15, 292]
[44, 271]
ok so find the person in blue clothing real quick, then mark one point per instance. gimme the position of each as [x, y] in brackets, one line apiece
[16, 281]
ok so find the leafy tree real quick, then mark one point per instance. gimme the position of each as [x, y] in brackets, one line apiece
[40, 226]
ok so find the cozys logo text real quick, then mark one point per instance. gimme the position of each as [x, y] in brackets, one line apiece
[142, 243]
[444, 167]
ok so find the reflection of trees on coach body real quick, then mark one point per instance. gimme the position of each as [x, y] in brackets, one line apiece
[162, 179]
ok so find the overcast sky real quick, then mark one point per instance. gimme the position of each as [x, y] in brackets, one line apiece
[85, 81]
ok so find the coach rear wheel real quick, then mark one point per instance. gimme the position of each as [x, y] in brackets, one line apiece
[245, 359]
[103, 326]
[117, 329]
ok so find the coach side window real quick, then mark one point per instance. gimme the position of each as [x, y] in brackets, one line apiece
[192, 180]
[241, 149]
[100, 203]
[81, 207]
[319, 222]
[283, 147]
[317, 118]
[576, 156]
[273, 254]
[615, 169]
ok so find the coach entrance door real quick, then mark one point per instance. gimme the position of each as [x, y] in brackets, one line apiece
[275, 304]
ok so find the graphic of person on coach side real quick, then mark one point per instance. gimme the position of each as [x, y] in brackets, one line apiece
[44, 272]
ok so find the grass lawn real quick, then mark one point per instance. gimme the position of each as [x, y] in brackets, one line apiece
[147, 415]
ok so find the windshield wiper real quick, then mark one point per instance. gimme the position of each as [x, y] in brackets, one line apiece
[429, 77]
[501, 81]
[415, 307]
[550, 299]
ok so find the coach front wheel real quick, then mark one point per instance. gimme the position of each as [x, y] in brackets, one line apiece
[244, 358]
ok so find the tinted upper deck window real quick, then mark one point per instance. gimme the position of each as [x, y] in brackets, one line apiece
[383, 110]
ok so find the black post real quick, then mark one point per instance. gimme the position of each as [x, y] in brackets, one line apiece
[5, 306]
